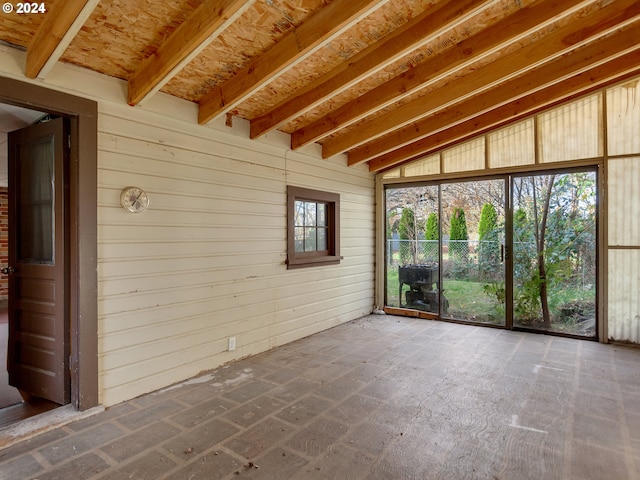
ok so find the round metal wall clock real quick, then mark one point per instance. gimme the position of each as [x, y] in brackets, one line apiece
[134, 199]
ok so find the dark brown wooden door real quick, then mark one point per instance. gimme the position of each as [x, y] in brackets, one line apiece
[38, 352]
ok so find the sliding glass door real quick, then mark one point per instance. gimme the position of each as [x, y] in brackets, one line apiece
[517, 251]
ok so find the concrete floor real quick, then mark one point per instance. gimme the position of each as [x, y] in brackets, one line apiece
[378, 398]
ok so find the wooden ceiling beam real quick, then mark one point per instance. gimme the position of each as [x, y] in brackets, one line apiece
[193, 35]
[584, 28]
[533, 17]
[414, 34]
[572, 63]
[613, 71]
[61, 24]
[313, 34]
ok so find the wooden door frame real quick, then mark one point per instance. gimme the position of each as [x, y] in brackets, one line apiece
[83, 232]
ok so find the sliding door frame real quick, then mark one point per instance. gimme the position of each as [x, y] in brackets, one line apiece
[598, 165]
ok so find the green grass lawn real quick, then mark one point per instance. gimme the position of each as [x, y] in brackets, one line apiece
[468, 301]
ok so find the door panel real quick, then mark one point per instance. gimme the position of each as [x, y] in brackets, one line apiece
[554, 252]
[473, 260]
[38, 321]
[412, 246]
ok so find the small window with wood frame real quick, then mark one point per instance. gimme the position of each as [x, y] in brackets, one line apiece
[313, 228]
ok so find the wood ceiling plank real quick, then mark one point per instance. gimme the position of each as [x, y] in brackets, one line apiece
[193, 35]
[625, 66]
[552, 45]
[311, 35]
[60, 25]
[533, 17]
[415, 34]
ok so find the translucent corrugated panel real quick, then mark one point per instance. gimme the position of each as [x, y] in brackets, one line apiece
[425, 166]
[623, 118]
[395, 173]
[513, 145]
[572, 132]
[623, 195]
[465, 157]
[624, 295]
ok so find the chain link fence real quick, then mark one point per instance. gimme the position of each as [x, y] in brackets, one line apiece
[478, 261]
[469, 259]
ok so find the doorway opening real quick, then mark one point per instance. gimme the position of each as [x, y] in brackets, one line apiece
[514, 251]
[33, 238]
[80, 185]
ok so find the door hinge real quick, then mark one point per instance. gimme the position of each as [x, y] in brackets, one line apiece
[69, 141]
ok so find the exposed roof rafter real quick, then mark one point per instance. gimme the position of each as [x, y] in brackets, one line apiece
[206, 22]
[583, 29]
[60, 25]
[534, 17]
[416, 33]
[382, 82]
[313, 34]
[615, 70]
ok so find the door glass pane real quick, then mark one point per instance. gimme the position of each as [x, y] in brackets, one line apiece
[412, 275]
[473, 268]
[554, 252]
[35, 231]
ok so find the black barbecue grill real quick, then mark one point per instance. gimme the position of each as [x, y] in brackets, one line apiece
[424, 292]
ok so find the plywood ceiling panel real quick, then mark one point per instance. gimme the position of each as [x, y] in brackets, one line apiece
[353, 75]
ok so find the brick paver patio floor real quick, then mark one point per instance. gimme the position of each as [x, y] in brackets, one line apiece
[381, 397]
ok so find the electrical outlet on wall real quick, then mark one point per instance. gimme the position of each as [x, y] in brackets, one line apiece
[232, 344]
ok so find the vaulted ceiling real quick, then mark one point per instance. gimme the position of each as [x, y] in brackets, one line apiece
[383, 82]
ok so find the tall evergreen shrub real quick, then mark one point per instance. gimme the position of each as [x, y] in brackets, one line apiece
[458, 246]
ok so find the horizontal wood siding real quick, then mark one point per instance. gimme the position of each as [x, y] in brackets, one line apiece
[206, 261]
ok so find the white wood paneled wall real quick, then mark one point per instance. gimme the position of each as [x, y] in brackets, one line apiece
[206, 261]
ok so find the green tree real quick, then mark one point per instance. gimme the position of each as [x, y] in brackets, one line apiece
[522, 241]
[489, 244]
[407, 229]
[431, 228]
[431, 235]
[488, 222]
[458, 228]
[459, 247]
[541, 188]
